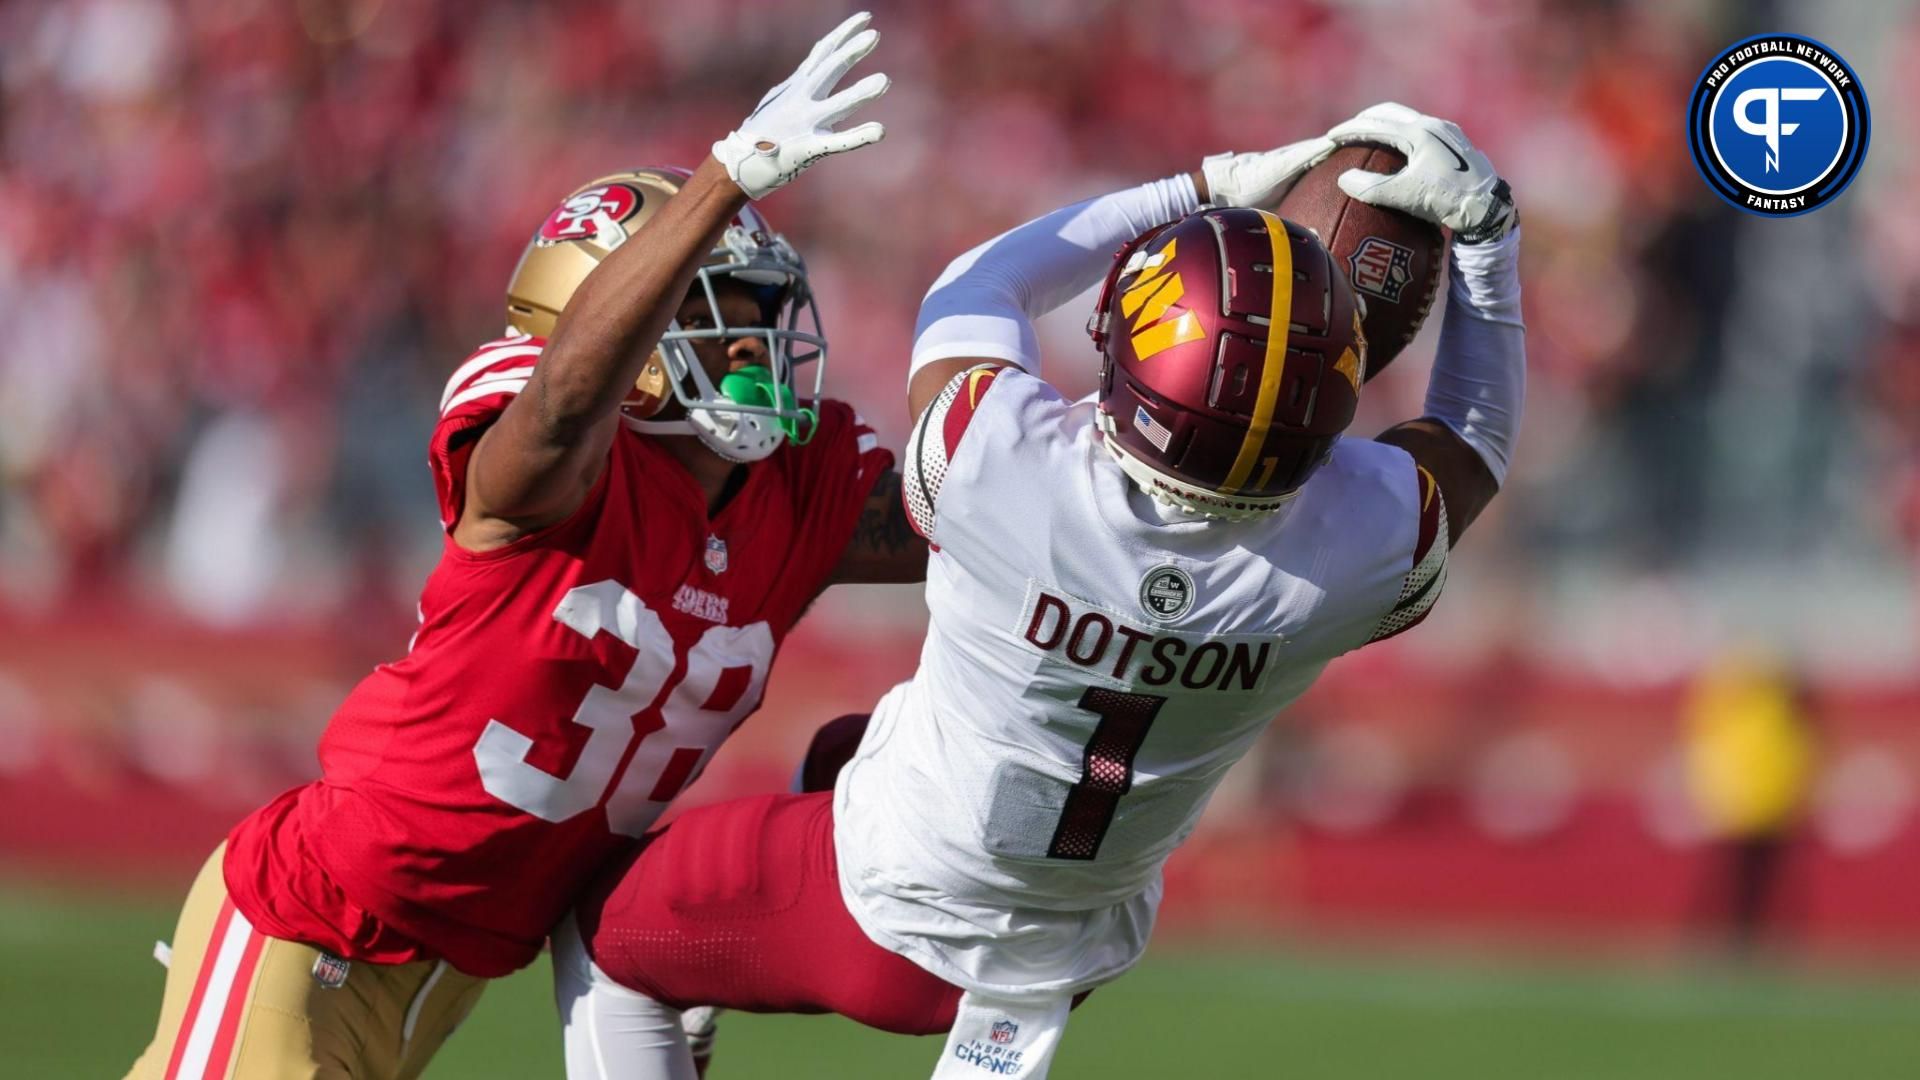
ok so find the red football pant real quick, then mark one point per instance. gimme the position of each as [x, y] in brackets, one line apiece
[739, 905]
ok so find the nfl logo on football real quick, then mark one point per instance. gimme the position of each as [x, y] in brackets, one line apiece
[1382, 268]
[1003, 1031]
[716, 555]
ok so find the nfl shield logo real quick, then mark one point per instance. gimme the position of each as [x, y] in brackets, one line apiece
[1382, 268]
[1003, 1031]
[330, 971]
[716, 555]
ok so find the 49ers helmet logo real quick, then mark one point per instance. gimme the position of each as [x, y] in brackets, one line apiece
[585, 213]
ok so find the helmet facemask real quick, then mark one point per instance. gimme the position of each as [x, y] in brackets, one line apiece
[753, 410]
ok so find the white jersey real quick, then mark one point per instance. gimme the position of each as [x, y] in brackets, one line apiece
[1091, 671]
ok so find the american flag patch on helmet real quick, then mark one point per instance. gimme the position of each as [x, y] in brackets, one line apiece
[1157, 434]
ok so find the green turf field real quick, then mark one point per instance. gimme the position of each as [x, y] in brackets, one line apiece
[77, 994]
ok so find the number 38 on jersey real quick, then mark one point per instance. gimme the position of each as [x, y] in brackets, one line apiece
[646, 738]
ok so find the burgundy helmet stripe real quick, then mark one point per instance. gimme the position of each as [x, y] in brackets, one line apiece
[1276, 360]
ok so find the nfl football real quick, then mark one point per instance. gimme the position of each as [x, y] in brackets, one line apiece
[1392, 259]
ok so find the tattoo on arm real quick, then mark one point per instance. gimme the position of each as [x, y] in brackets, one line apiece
[884, 548]
[883, 528]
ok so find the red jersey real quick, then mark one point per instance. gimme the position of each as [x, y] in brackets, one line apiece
[559, 693]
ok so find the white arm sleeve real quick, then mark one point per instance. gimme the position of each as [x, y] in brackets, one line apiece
[1479, 379]
[985, 302]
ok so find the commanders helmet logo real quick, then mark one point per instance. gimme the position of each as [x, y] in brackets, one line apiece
[1778, 125]
[1166, 593]
[1151, 305]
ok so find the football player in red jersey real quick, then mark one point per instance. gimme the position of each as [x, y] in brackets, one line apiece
[638, 507]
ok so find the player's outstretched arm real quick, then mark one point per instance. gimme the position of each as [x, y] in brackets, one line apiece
[1478, 385]
[536, 465]
[981, 310]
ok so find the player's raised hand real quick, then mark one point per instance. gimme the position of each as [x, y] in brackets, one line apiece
[1259, 178]
[1446, 180]
[792, 127]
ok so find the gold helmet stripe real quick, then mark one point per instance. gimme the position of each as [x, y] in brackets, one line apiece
[1280, 314]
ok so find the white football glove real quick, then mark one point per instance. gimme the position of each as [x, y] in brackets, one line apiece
[1445, 181]
[1261, 178]
[792, 127]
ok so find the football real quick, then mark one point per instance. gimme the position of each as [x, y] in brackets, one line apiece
[1392, 259]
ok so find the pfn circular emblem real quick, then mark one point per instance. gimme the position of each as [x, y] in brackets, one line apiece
[1778, 125]
[1166, 593]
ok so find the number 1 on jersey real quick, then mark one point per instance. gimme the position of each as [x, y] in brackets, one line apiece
[1106, 772]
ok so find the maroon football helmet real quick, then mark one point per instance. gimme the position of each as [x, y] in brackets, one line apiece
[1201, 402]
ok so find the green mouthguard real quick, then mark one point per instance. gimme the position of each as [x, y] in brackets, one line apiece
[755, 385]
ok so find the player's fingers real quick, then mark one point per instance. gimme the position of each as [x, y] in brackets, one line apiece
[839, 142]
[825, 47]
[1316, 151]
[844, 58]
[1372, 188]
[846, 102]
[1362, 130]
[1393, 111]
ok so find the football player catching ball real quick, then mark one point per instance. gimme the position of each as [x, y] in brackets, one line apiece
[638, 506]
[1125, 591]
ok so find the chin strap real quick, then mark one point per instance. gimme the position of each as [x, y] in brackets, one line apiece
[657, 427]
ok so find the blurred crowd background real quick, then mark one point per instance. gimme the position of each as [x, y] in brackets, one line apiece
[243, 242]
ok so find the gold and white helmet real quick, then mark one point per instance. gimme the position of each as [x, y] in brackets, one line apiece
[753, 410]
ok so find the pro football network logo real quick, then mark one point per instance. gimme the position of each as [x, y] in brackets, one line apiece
[1166, 593]
[1778, 125]
[1381, 267]
[590, 213]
